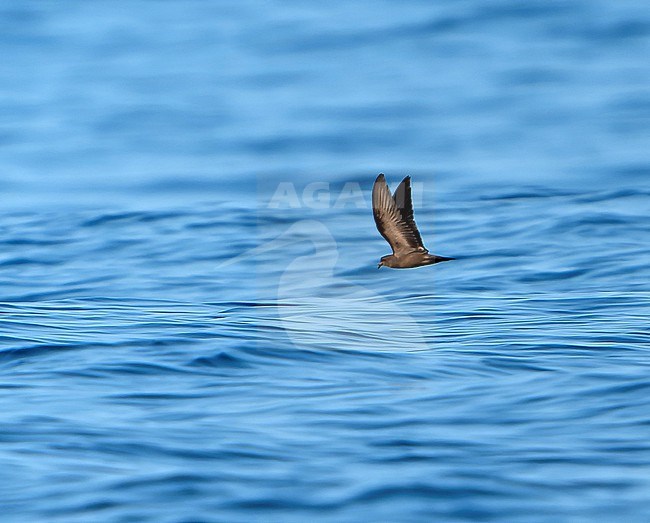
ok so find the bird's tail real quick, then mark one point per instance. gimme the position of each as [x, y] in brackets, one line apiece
[437, 259]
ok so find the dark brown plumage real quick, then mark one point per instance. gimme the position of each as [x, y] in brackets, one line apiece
[394, 219]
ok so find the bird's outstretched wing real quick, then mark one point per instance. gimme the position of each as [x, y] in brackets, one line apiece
[394, 216]
[404, 202]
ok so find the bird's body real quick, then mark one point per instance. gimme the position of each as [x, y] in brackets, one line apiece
[394, 219]
[411, 259]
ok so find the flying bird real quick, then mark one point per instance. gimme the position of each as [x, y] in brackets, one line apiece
[394, 219]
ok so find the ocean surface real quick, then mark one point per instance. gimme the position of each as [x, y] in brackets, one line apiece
[192, 324]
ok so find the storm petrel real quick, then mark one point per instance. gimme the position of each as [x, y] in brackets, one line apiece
[394, 219]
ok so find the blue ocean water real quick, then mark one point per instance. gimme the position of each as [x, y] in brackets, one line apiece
[192, 324]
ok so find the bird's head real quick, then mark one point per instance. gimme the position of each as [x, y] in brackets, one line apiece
[384, 262]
